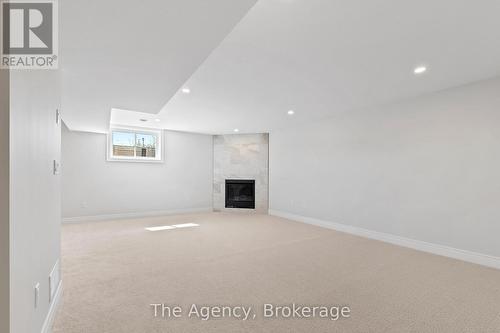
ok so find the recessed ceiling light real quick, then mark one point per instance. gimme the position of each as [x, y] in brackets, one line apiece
[186, 90]
[157, 120]
[143, 120]
[236, 130]
[291, 112]
[420, 70]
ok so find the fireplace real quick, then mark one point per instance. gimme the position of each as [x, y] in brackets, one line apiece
[240, 193]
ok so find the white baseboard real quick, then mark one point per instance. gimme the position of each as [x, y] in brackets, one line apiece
[106, 217]
[442, 250]
[49, 320]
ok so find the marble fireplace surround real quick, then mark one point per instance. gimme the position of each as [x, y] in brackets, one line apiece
[241, 156]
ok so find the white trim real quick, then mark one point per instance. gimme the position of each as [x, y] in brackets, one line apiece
[442, 250]
[49, 320]
[94, 218]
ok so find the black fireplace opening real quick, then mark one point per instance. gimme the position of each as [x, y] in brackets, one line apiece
[240, 193]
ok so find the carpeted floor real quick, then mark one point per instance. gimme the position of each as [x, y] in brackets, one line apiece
[113, 271]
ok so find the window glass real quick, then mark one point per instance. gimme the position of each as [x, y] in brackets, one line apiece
[123, 143]
[131, 145]
[145, 145]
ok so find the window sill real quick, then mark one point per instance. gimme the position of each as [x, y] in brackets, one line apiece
[130, 160]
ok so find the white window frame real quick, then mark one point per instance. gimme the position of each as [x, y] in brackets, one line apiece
[138, 130]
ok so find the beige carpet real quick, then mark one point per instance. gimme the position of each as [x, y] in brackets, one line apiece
[114, 270]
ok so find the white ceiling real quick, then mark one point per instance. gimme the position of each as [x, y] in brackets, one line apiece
[134, 54]
[317, 57]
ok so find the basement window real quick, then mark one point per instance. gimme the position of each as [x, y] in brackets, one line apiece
[135, 145]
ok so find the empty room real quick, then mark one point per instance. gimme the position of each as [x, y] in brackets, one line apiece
[249, 166]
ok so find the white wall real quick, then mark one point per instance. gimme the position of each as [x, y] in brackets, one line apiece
[426, 169]
[93, 186]
[35, 211]
[4, 201]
